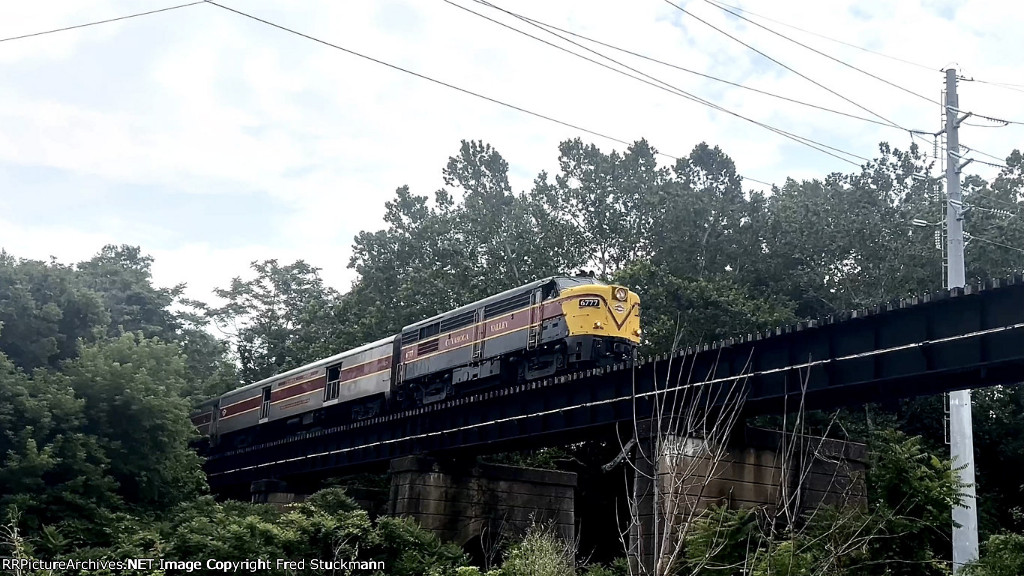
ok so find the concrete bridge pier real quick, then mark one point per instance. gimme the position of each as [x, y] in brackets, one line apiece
[475, 505]
[274, 492]
[759, 468]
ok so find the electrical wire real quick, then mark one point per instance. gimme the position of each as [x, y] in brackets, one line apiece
[660, 84]
[987, 241]
[101, 21]
[976, 151]
[805, 77]
[819, 52]
[684, 69]
[1005, 122]
[992, 164]
[442, 83]
[993, 199]
[830, 39]
[1014, 87]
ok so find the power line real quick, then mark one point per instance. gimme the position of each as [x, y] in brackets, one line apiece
[993, 199]
[830, 39]
[805, 77]
[1005, 122]
[987, 241]
[442, 83]
[690, 71]
[993, 156]
[992, 164]
[819, 52]
[101, 21]
[1014, 87]
[660, 84]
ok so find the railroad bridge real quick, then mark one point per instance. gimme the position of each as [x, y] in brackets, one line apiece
[962, 338]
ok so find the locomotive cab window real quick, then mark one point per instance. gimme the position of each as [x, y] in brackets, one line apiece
[430, 330]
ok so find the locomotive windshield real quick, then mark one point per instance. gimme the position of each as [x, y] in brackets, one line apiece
[569, 282]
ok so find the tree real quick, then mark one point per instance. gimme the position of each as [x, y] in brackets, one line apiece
[614, 201]
[134, 408]
[846, 242]
[706, 229]
[44, 312]
[913, 493]
[462, 244]
[685, 312]
[50, 469]
[1002, 555]
[280, 319]
[995, 222]
[510, 239]
[123, 278]
[416, 267]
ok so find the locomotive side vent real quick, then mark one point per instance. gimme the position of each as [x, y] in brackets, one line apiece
[426, 347]
[456, 322]
[507, 305]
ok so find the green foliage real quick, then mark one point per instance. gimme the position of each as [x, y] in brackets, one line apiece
[467, 242]
[611, 202]
[325, 527]
[721, 539]
[786, 558]
[1001, 555]
[281, 319]
[133, 405]
[618, 567]
[406, 548]
[544, 458]
[44, 312]
[687, 312]
[50, 468]
[332, 501]
[707, 230]
[913, 493]
[540, 553]
[122, 277]
[846, 242]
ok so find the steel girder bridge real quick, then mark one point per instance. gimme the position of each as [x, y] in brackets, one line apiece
[949, 340]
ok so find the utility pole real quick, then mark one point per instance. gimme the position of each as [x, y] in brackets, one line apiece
[961, 426]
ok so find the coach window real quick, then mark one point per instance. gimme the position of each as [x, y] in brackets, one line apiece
[265, 408]
[333, 387]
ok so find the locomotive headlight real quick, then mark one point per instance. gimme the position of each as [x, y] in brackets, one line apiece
[620, 294]
[638, 332]
[598, 325]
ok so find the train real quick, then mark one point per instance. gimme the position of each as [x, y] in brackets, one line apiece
[541, 329]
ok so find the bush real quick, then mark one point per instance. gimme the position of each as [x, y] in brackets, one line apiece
[540, 553]
[1001, 555]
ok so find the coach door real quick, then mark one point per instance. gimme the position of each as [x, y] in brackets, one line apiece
[265, 406]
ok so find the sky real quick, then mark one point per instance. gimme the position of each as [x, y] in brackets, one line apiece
[211, 140]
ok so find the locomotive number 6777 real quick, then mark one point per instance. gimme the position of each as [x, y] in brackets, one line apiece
[544, 328]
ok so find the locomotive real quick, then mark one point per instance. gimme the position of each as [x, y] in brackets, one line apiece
[538, 330]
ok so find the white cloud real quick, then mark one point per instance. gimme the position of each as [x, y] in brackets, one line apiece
[229, 107]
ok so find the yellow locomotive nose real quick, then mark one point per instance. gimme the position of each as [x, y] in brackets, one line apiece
[602, 310]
